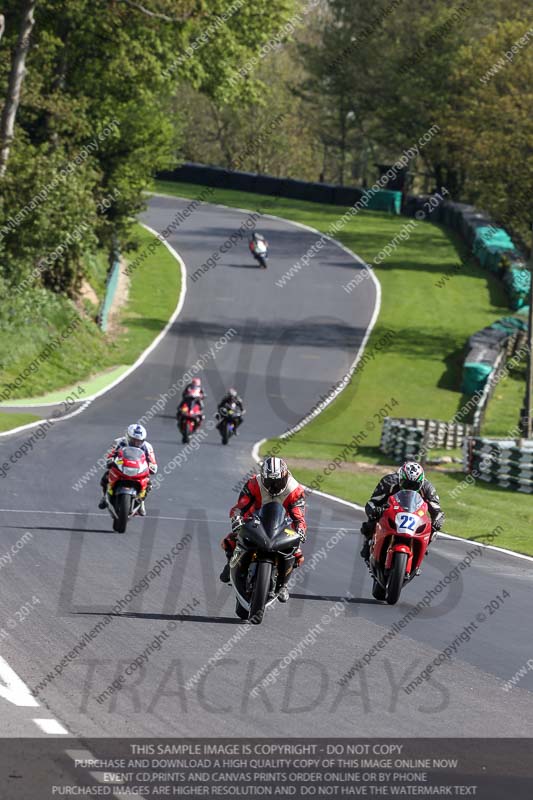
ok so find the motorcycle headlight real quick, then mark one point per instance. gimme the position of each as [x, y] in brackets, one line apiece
[130, 471]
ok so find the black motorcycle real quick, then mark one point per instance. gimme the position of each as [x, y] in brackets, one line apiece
[229, 417]
[262, 561]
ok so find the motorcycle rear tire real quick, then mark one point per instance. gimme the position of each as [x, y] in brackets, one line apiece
[123, 508]
[396, 578]
[185, 435]
[224, 432]
[262, 582]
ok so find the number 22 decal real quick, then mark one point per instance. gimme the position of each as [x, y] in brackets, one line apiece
[407, 522]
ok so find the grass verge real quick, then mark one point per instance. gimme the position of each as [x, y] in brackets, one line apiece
[10, 421]
[85, 351]
[503, 410]
[420, 367]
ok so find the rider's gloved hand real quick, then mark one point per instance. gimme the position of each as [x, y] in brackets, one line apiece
[236, 523]
[438, 522]
[302, 534]
[152, 468]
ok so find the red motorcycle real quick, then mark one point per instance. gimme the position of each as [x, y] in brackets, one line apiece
[189, 418]
[129, 477]
[399, 545]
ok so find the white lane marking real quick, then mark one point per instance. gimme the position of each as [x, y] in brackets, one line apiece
[144, 355]
[13, 689]
[81, 755]
[179, 519]
[51, 726]
[98, 514]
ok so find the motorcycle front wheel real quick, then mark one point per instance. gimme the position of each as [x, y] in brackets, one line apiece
[224, 432]
[263, 578]
[396, 578]
[122, 507]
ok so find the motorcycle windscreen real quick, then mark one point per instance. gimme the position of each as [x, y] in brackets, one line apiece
[408, 500]
[273, 517]
[132, 453]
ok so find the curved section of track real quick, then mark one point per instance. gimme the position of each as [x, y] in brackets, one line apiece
[182, 662]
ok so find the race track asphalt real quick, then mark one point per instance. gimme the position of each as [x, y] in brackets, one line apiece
[283, 349]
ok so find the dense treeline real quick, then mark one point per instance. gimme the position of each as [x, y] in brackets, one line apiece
[99, 94]
[88, 89]
[362, 80]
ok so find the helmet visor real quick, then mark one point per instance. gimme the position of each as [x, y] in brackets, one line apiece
[275, 485]
[413, 486]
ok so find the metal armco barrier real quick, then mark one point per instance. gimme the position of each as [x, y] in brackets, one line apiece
[501, 461]
[222, 178]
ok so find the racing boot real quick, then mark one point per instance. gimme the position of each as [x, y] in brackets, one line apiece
[224, 575]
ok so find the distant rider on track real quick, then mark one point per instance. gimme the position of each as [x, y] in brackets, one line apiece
[194, 390]
[230, 397]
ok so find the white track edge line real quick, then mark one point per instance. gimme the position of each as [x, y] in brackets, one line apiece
[51, 726]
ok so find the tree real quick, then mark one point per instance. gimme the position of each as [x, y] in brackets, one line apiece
[101, 78]
[490, 123]
[16, 77]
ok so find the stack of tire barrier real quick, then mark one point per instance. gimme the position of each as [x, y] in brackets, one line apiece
[517, 281]
[381, 200]
[486, 348]
[491, 245]
[407, 437]
[400, 441]
[502, 462]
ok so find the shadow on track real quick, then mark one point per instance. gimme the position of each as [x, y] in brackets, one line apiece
[57, 528]
[167, 617]
[331, 598]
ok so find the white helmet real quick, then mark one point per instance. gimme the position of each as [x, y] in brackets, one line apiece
[411, 476]
[136, 435]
